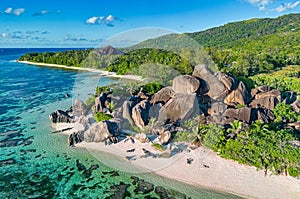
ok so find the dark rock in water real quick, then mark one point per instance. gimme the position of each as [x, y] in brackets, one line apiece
[119, 191]
[94, 167]
[161, 192]
[27, 142]
[168, 194]
[144, 187]
[186, 84]
[162, 96]
[87, 173]
[60, 116]
[27, 151]
[7, 162]
[80, 166]
[134, 180]
[111, 173]
[9, 143]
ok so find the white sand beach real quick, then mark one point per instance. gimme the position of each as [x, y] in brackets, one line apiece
[207, 169]
[93, 70]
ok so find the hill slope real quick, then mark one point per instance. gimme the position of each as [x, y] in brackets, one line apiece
[244, 48]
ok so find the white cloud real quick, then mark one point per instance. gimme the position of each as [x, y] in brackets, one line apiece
[8, 11]
[102, 20]
[18, 11]
[260, 2]
[93, 20]
[4, 35]
[70, 38]
[287, 6]
[41, 13]
[109, 18]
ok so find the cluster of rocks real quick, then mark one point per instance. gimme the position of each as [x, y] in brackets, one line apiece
[219, 97]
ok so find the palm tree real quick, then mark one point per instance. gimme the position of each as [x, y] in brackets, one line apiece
[235, 129]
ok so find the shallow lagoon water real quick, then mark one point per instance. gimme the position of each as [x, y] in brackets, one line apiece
[36, 163]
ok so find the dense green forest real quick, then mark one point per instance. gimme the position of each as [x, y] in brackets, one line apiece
[126, 63]
[67, 58]
[244, 48]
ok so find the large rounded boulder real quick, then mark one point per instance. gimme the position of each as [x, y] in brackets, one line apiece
[100, 132]
[185, 84]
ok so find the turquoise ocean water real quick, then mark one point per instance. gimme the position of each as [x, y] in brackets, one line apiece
[35, 163]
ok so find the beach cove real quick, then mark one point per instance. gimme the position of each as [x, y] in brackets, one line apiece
[37, 163]
[207, 169]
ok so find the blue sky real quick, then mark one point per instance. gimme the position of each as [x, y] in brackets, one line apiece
[91, 23]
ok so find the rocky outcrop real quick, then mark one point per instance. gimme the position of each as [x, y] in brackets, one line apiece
[266, 102]
[127, 110]
[228, 80]
[154, 110]
[100, 102]
[100, 132]
[60, 116]
[271, 93]
[163, 96]
[142, 137]
[217, 108]
[140, 114]
[289, 97]
[180, 107]
[185, 84]
[164, 137]
[80, 108]
[217, 90]
[238, 96]
[244, 114]
[296, 106]
[247, 115]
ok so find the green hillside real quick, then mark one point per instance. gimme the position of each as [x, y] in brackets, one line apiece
[243, 48]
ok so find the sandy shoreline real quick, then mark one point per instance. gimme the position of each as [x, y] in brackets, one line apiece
[101, 72]
[207, 169]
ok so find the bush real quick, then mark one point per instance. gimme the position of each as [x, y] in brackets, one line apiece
[151, 88]
[293, 171]
[99, 116]
[284, 112]
[213, 136]
[158, 146]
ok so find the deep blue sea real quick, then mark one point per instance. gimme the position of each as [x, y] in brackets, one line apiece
[35, 163]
